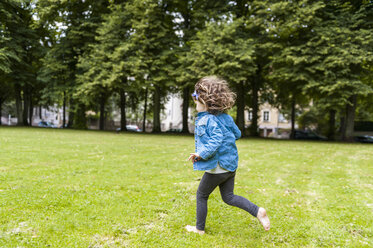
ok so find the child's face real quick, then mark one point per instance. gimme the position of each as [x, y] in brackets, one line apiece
[200, 107]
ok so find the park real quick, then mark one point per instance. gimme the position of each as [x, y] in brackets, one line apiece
[102, 103]
[69, 188]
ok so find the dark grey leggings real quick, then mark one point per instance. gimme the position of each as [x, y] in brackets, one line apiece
[225, 181]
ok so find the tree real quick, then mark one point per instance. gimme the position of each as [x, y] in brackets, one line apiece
[7, 55]
[337, 58]
[191, 17]
[74, 24]
[292, 27]
[247, 49]
[20, 55]
[223, 49]
[108, 66]
[8, 52]
[257, 22]
[154, 41]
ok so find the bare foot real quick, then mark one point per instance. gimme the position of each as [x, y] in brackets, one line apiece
[194, 229]
[263, 218]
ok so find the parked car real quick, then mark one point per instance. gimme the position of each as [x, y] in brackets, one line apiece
[131, 128]
[308, 135]
[46, 124]
[174, 130]
[364, 139]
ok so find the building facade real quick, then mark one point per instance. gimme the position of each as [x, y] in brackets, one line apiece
[51, 114]
[271, 122]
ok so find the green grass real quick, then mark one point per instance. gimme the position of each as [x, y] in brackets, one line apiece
[68, 188]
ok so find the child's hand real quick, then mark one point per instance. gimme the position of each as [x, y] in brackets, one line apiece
[194, 157]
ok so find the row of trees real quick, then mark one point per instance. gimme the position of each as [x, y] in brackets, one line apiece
[79, 53]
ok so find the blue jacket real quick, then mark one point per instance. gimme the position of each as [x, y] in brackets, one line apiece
[215, 139]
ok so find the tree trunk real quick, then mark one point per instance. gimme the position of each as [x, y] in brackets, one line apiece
[255, 108]
[240, 120]
[350, 119]
[70, 123]
[25, 106]
[186, 91]
[186, 97]
[102, 112]
[157, 109]
[64, 110]
[19, 105]
[31, 108]
[80, 121]
[342, 129]
[40, 115]
[331, 132]
[292, 133]
[123, 119]
[1, 107]
[145, 106]
[255, 101]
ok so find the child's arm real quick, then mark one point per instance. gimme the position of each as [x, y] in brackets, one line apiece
[235, 129]
[194, 157]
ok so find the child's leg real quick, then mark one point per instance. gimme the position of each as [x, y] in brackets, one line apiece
[226, 191]
[207, 185]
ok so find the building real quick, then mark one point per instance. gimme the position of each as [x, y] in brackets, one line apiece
[52, 114]
[172, 116]
[271, 123]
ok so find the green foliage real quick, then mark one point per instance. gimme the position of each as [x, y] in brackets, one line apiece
[336, 55]
[18, 40]
[153, 40]
[344, 49]
[324, 49]
[222, 49]
[73, 26]
[5, 60]
[80, 120]
[364, 111]
[20, 54]
[315, 118]
[8, 19]
[104, 64]
[284, 52]
[292, 28]
[192, 17]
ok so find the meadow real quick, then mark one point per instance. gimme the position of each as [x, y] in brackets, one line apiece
[70, 188]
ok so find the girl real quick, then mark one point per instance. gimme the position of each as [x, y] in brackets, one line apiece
[216, 151]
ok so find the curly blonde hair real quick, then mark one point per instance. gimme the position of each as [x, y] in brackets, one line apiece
[214, 92]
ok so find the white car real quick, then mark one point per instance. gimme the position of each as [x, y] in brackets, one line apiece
[131, 128]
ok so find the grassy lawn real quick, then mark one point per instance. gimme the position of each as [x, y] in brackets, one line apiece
[68, 188]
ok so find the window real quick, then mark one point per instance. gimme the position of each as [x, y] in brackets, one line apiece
[266, 116]
[250, 115]
[281, 118]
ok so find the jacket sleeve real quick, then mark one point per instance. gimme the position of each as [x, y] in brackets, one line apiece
[215, 140]
[236, 130]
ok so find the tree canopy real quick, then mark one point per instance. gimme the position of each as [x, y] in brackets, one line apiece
[80, 54]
